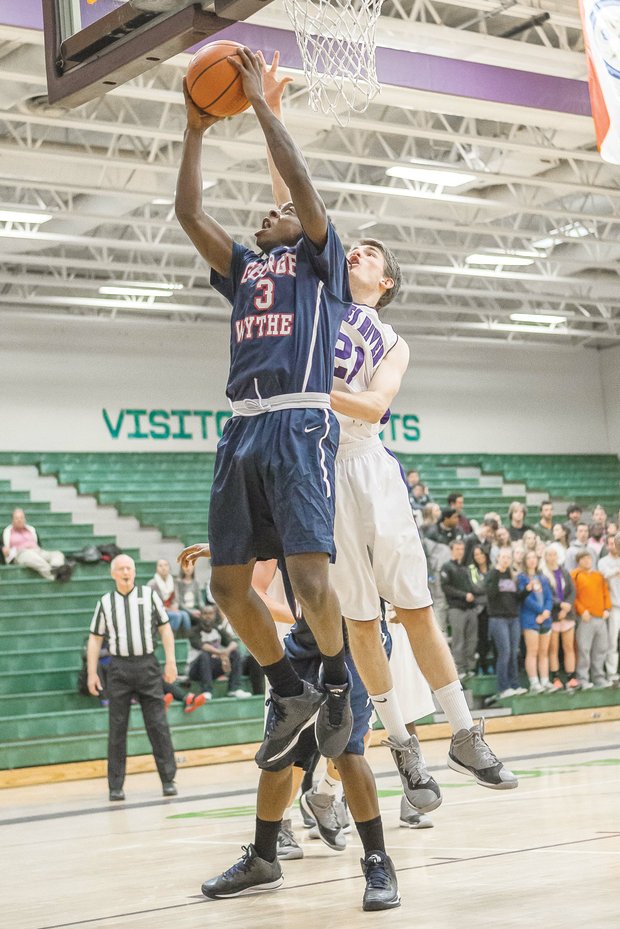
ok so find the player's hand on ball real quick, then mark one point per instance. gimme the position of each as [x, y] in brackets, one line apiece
[249, 67]
[273, 87]
[192, 553]
[196, 118]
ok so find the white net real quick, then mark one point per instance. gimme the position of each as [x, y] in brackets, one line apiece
[336, 39]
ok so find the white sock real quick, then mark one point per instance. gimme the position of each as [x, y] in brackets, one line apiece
[329, 785]
[451, 699]
[390, 714]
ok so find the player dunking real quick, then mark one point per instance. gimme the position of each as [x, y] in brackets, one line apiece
[273, 488]
[379, 550]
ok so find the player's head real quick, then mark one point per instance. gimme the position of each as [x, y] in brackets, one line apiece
[280, 226]
[374, 273]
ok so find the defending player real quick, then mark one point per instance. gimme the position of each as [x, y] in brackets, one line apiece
[273, 489]
[259, 869]
[380, 554]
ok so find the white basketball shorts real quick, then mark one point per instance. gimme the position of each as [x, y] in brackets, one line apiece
[378, 547]
[412, 690]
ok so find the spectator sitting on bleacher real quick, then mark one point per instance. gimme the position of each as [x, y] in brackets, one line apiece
[592, 604]
[560, 542]
[609, 566]
[516, 518]
[580, 544]
[573, 518]
[535, 618]
[163, 582]
[214, 651]
[20, 546]
[563, 620]
[189, 594]
[544, 527]
[457, 502]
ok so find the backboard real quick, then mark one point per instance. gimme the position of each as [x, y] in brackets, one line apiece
[92, 46]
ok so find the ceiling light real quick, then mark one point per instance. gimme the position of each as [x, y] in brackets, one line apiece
[207, 184]
[368, 225]
[134, 288]
[131, 292]
[515, 260]
[574, 230]
[551, 330]
[430, 176]
[538, 318]
[162, 201]
[15, 216]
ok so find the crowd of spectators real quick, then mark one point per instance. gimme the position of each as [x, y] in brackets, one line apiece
[510, 593]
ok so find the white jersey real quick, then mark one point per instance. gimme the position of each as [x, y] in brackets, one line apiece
[363, 343]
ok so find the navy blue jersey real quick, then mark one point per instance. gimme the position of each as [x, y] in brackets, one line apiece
[286, 313]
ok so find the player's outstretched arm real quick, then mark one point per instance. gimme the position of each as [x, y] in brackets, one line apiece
[213, 242]
[370, 405]
[273, 88]
[287, 157]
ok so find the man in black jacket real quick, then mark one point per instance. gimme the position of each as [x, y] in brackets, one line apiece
[458, 587]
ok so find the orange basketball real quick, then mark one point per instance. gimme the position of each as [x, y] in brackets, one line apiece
[212, 81]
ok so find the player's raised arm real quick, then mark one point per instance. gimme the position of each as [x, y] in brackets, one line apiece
[213, 242]
[273, 88]
[370, 405]
[287, 157]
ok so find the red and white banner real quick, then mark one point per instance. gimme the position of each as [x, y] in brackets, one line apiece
[601, 29]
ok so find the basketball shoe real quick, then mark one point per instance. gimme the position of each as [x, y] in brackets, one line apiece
[421, 790]
[288, 846]
[324, 808]
[286, 720]
[381, 891]
[334, 722]
[249, 875]
[410, 819]
[470, 754]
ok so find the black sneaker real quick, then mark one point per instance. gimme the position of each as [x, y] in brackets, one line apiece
[117, 794]
[421, 790]
[249, 875]
[334, 722]
[286, 720]
[324, 808]
[381, 885]
[169, 789]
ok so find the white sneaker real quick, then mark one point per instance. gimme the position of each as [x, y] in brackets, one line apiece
[586, 685]
[239, 694]
[547, 686]
[509, 692]
[536, 688]
[520, 691]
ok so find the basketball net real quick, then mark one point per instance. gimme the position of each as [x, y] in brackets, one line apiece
[336, 39]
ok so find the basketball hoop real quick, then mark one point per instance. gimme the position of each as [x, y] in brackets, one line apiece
[336, 39]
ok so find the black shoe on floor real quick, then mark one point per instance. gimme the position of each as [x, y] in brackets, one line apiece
[117, 794]
[169, 789]
[249, 875]
[381, 885]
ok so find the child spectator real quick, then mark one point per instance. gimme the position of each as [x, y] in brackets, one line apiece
[592, 604]
[535, 619]
[503, 607]
[609, 566]
[163, 583]
[563, 621]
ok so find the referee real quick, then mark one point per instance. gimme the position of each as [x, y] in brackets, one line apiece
[128, 616]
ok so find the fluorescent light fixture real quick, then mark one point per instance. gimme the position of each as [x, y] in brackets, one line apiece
[131, 292]
[162, 201]
[514, 260]
[136, 288]
[430, 176]
[368, 225]
[15, 216]
[575, 230]
[551, 330]
[537, 318]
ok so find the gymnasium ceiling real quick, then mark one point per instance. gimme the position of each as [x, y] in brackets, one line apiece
[535, 201]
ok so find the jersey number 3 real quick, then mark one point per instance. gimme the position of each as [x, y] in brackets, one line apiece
[264, 290]
[353, 360]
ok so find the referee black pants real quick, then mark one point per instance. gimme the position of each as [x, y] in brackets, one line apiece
[140, 677]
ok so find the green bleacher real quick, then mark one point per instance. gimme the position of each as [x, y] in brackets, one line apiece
[43, 625]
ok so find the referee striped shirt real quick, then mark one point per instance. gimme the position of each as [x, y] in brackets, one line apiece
[129, 621]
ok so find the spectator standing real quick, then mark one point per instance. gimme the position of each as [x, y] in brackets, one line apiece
[214, 651]
[597, 539]
[447, 529]
[518, 557]
[580, 544]
[517, 512]
[609, 566]
[563, 621]
[483, 536]
[418, 499]
[478, 570]
[20, 546]
[544, 527]
[592, 604]
[128, 616]
[163, 583]
[573, 518]
[560, 542]
[436, 543]
[504, 628]
[431, 514]
[535, 618]
[458, 589]
[599, 515]
[530, 540]
[457, 502]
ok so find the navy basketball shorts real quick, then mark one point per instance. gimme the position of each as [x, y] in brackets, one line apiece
[273, 487]
[361, 708]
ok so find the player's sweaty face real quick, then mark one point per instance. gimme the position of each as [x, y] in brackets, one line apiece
[280, 227]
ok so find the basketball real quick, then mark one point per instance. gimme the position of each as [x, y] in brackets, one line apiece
[212, 81]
